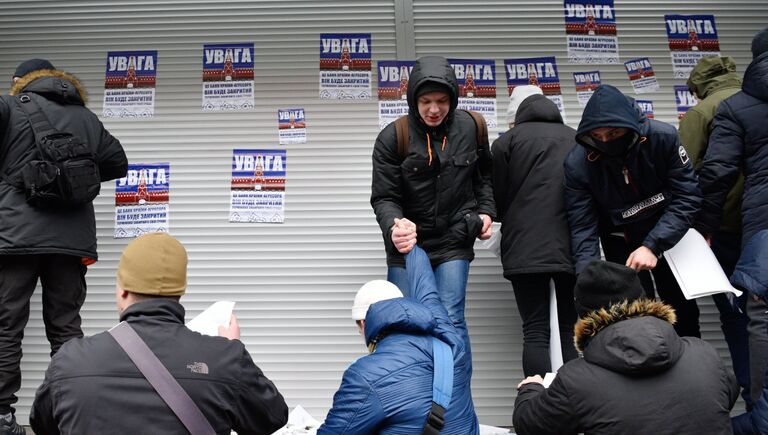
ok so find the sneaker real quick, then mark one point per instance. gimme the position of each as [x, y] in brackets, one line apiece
[8, 426]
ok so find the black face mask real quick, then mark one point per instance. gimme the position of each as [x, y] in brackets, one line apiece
[617, 147]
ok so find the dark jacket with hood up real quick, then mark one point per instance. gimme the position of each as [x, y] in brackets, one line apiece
[28, 230]
[92, 387]
[739, 144]
[442, 197]
[528, 187]
[637, 376]
[650, 193]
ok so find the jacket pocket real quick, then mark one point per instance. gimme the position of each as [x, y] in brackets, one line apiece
[416, 167]
[466, 230]
[465, 159]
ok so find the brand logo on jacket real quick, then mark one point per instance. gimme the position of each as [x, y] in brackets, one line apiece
[643, 205]
[198, 367]
[683, 155]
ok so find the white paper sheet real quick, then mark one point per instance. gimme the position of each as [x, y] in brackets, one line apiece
[216, 315]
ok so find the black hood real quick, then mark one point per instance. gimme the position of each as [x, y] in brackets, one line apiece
[608, 107]
[538, 108]
[756, 78]
[432, 69]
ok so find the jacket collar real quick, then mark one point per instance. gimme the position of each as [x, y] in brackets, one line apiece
[52, 84]
[160, 309]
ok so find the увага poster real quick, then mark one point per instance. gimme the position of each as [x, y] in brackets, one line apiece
[641, 75]
[537, 71]
[477, 87]
[291, 126]
[393, 89]
[129, 86]
[258, 186]
[141, 200]
[691, 37]
[685, 100]
[345, 66]
[228, 77]
[590, 28]
[586, 83]
[646, 106]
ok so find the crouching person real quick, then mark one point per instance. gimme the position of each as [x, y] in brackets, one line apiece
[92, 385]
[637, 375]
[394, 390]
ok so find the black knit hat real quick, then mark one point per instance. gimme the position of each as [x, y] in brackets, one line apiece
[602, 284]
[428, 87]
[760, 43]
[32, 65]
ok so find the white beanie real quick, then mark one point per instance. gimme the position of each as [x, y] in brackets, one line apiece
[371, 292]
[519, 94]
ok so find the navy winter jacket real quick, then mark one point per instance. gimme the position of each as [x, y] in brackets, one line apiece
[651, 194]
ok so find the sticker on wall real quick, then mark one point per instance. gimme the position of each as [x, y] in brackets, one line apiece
[537, 71]
[345, 66]
[129, 86]
[685, 100]
[141, 200]
[228, 76]
[691, 37]
[393, 89]
[586, 83]
[477, 87]
[291, 126]
[258, 186]
[590, 28]
[641, 75]
[646, 106]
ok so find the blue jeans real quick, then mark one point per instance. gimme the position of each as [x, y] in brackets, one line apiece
[451, 278]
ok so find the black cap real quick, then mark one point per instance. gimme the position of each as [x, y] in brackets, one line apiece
[32, 65]
[428, 87]
[760, 43]
[602, 284]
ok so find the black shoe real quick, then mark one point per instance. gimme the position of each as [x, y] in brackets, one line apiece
[8, 426]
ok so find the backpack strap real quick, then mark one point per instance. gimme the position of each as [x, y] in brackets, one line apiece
[37, 119]
[442, 387]
[403, 136]
[482, 129]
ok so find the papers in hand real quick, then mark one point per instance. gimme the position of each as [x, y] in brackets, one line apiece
[696, 269]
[216, 315]
[548, 378]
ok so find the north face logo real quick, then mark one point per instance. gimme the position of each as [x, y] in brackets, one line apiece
[198, 367]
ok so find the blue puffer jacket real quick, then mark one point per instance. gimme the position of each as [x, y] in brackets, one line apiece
[390, 390]
[651, 194]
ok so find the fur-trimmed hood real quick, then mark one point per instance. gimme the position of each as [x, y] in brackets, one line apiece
[54, 85]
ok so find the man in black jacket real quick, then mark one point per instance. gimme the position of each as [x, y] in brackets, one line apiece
[630, 175]
[93, 387]
[438, 193]
[637, 375]
[535, 243]
[53, 245]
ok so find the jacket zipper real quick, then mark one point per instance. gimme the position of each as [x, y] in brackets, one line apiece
[628, 180]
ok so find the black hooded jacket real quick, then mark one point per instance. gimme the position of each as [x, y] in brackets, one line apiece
[651, 193]
[443, 198]
[528, 188]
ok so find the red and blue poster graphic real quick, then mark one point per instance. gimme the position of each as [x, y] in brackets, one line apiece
[345, 66]
[129, 86]
[477, 87]
[228, 76]
[646, 106]
[590, 28]
[691, 37]
[537, 71]
[393, 89]
[685, 100]
[641, 75]
[586, 83]
[258, 186]
[291, 126]
[141, 200]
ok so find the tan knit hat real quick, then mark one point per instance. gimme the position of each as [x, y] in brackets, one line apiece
[153, 264]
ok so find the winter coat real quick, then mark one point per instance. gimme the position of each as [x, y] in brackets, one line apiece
[92, 387]
[390, 390]
[651, 194]
[528, 188]
[712, 80]
[442, 197]
[637, 376]
[739, 143]
[28, 230]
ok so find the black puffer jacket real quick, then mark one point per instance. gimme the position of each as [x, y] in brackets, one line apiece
[92, 387]
[445, 197]
[28, 230]
[739, 141]
[637, 376]
[528, 187]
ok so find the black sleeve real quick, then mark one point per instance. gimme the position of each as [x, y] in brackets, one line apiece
[386, 182]
[483, 180]
[544, 411]
[110, 156]
[500, 157]
[582, 216]
[41, 415]
[261, 409]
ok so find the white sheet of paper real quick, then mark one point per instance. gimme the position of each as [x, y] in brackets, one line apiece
[696, 269]
[216, 315]
[548, 378]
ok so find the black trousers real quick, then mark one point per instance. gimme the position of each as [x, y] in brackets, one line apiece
[62, 278]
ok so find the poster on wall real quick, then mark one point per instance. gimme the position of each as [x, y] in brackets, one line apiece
[641, 75]
[291, 126]
[691, 37]
[258, 186]
[345, 66]
[129, 86]
[685, 100]
[537, 71]
[228, 77]
[646, 106]
[393, 89]
[141, 200]
[477, 86]
[586, 83]
[590, 28]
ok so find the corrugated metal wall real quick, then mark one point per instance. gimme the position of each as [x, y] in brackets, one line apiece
[294, 282]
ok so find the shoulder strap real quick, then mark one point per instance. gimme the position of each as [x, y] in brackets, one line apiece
[37, 119]
[403, 139]
[482, 128]
[161, 380]
[442, 387]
